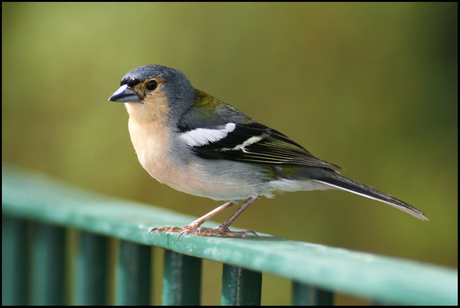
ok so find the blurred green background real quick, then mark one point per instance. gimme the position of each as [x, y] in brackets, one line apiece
[371, 87]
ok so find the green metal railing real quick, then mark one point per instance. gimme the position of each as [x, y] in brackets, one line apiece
[37, 211]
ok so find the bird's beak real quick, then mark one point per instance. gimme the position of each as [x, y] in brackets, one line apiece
[124, 95]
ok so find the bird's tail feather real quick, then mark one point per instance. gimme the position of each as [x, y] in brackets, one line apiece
[338, 181]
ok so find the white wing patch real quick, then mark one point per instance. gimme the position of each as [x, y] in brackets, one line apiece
[243, 146]
[203, 136]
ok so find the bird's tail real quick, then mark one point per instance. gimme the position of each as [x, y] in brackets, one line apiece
[335, 180]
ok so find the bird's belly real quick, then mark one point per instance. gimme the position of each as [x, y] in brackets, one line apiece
[200, 180]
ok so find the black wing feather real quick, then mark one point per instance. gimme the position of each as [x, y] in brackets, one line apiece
[274, 148]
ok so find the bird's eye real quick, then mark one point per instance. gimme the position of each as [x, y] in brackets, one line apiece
[152, 85]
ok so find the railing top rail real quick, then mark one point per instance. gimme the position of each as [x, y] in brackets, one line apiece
[36, 196]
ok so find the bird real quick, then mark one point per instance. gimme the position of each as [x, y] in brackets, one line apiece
[197, 144]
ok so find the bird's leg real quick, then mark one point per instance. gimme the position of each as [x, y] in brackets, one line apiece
[196, 223]
[223, 228]
[194, 227]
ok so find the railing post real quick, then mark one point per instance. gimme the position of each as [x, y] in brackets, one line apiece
[91, 286]
[15, 261]
[133, 274]
[308, 295]
[47, 265]
[181, 279]
[240, 287]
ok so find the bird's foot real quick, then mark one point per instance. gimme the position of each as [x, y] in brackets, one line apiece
[197, 230]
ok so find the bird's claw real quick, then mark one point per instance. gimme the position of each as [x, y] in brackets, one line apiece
[197, 230]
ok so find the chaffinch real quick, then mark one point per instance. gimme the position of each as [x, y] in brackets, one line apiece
[197, 144]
